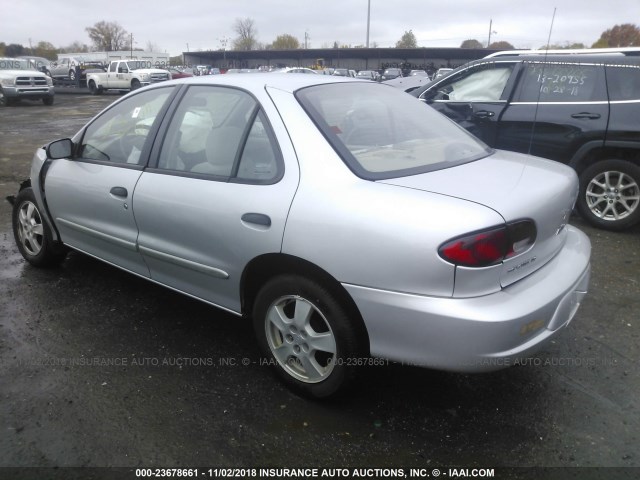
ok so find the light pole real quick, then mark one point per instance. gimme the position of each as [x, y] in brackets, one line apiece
[368, 20]
[490, 32]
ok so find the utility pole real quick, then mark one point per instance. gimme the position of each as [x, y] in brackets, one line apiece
[306, 40]
[368, 20]
[490, 24]
[131, 45]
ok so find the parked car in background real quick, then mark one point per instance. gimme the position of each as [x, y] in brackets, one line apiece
[39, 63]
[421, 73]
[19, 80]
[368, 74]
[390, 74]
[441, 72]
[341, 72]
[176, 73]
[295, 70]
[468, 263]
[408, 84]
[579, 108]
[69, 68]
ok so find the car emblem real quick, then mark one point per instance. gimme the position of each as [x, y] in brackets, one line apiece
[33, 82]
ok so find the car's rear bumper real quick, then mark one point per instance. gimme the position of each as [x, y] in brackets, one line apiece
[482, 333]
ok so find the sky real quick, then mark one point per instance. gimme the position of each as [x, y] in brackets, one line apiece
[176, 26]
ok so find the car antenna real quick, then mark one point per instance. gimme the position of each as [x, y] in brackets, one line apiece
[544, 65]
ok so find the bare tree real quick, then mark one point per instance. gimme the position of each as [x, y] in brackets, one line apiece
[247, 34]
[108, 36]
[75, 47]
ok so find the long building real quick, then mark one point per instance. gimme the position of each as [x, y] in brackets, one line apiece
[429, 59]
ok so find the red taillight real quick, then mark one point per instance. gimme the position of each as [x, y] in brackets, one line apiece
[490, 247]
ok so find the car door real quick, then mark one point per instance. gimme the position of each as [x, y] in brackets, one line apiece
[218, 195]
[557, 108]
[115, 78]
[474, 97]
[90, 196]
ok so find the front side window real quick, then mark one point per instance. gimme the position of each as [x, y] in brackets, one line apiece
[381, 132]
[119, 134]
[482, 83]
[220, 132]
[557, 82]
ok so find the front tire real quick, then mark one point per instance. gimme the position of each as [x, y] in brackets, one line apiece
[306, 334]
[32, 234]
[610, 194]
[135, 84]
[48, 101]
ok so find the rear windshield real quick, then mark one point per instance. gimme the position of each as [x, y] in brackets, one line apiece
[382, 132]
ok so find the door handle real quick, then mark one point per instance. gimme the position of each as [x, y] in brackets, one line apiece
[119, 192]
[591, 116]
[483, 114]
[257, 218]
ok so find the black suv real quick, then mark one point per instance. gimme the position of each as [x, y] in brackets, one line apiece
[576, 108]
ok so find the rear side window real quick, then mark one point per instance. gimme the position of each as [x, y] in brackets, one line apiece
[555, 82]
[623, 82]
[220, 132]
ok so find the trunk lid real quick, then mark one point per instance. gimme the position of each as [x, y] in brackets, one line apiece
[517, 187]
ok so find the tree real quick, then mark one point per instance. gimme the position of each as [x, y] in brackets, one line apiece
[153, 47]
[14, 50]
[563, 46]
[46, 50]
[502, 45]
[247, 33]
[625, 35]
[75, 47]
[285, 42]
[472, 43]
[108, 36]
[408, 40]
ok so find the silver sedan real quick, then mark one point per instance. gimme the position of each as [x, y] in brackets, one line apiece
[346, 219]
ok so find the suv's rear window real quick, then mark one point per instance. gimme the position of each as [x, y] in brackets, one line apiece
[623, 82]
[381, 132]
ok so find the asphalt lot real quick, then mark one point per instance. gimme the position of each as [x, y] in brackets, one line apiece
[100, 368]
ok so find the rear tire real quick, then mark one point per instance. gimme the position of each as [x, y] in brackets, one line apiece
[32, 234]
[610, 194]
[307, 336]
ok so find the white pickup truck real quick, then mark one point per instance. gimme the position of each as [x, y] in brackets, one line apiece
[125, 75]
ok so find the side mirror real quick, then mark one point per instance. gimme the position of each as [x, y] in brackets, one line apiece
[59, 149]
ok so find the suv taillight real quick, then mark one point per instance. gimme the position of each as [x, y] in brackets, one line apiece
[491, 246]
